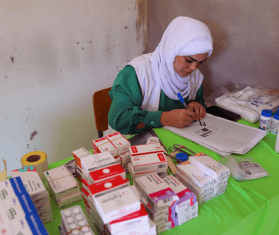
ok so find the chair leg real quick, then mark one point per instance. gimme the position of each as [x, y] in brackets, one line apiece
[100, 134]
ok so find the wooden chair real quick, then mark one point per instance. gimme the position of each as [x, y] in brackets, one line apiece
[101, 104]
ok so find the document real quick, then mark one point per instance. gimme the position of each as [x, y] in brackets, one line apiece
[221, 135]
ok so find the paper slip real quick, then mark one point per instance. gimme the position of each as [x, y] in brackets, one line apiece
[97, 161]
[80, 153]
[61, 181]
[221, 135]
[157, 193]
[149, 162]
[117, 203]
[210, 166]
[145, 149]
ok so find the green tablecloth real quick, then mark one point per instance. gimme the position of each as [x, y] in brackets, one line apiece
[250, 207]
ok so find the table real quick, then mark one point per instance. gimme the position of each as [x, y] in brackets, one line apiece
[250, 207]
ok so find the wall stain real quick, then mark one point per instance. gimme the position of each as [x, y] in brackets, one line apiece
[12, 59]
[82, 48]
[33, 134]
[125, 27]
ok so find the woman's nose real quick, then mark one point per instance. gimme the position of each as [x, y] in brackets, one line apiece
[194, 66]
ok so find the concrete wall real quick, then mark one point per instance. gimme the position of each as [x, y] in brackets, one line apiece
[53, 56]
[246, 38]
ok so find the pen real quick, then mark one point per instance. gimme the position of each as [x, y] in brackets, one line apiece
[184, 104]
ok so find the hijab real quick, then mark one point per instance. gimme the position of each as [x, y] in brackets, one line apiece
[184, 37]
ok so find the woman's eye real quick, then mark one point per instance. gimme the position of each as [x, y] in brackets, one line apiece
[188, 61]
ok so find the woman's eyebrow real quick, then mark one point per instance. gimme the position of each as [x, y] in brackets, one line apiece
[196, 60]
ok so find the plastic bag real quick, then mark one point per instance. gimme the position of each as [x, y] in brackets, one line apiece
[243, 169]
[249, 102]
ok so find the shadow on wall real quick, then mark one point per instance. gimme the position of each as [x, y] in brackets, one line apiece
[220, 46]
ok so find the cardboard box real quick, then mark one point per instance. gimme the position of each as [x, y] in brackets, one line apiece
[182, 207]
[97, 161]
[131, 221]
[117, 203]
[61, 182]
[149, 163]
[145, 149]
[156, 192]
[80, 153]
[210, 166]
[199, 177]
[114, 143]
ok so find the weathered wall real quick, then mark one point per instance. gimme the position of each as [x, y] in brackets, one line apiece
[246, 38]
[53, 56]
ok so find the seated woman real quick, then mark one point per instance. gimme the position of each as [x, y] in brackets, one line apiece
[144, 93]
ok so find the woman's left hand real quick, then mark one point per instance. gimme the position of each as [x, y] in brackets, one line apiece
[198, 109]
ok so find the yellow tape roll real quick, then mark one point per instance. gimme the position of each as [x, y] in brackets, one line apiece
[38, 159]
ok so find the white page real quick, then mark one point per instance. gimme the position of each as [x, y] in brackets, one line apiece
[221, 135]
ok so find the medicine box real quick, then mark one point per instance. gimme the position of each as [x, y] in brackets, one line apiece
[97, 161]
[104, 186]
[210, 166]
[199, 177]
[149, 162]
[80, 153]
[117, 203]
[133, 220]
[114, 143]
[145, 149]
[157, 193]
[61, 182]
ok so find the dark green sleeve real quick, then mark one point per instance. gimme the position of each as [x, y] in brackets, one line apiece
[125, 112]
[199, 96]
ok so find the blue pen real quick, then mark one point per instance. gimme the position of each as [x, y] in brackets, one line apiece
[184, 104]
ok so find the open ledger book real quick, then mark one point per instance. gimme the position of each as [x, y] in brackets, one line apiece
[221, 135]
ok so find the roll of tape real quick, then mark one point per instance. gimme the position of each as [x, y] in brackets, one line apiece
[38, 159]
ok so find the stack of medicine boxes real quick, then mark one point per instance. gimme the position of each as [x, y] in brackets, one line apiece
[147, 159]
[158, 199]
[204, 176]
[63, 187]
[37, 191]
[181, 211]
[111, 206]
[17, 211]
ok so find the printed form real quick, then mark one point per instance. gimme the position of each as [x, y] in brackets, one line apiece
[221, 135]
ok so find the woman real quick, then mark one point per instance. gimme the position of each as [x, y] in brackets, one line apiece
[144, 94]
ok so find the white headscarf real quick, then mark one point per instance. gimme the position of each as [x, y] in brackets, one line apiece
[184, 36]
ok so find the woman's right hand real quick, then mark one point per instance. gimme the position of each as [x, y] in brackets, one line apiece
[177, 117]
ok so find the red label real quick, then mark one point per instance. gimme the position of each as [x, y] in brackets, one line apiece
[116, 133]
[134, 149]
[191, 202]
[161, 157]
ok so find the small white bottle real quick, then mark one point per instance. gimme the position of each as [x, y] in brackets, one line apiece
[265, 119]
[277, 143]
[274, 124]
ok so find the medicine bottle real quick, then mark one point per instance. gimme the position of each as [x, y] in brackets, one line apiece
[274, 124]
[265, 119]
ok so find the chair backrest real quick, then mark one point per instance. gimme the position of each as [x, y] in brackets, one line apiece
[101, 105]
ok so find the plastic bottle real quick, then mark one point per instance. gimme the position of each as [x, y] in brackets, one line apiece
[277, 143]
[265, 119]
[274, 124]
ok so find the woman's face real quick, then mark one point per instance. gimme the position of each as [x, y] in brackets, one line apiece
[184, 65]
